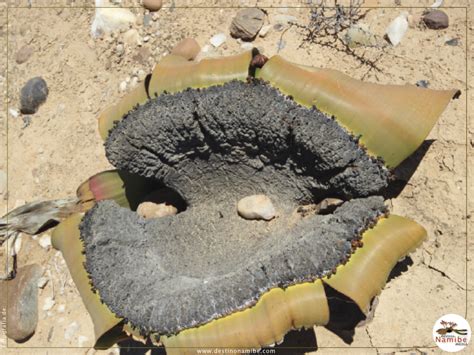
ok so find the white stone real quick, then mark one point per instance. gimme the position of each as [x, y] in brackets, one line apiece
[45, 241]
[397, 28]
[14, 112]
[218, 39]
[61, 308]
[264, 30]
[256, 207]
[141, 75]
[71, 329]
[360, 35]
[119, 50]
[48, 303]
[110, 19]
[134, 82]
[123, 86]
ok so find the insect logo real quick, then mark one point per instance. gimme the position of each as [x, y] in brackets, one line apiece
[451, 333]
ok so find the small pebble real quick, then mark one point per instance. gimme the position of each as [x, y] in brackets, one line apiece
[23, 54]
[155, 210]
[256, 207]
[45, 241]
[218, 39]
[187, 48]
[153, 5]
[436, 19]
[397, 28]
[48, 303]
[264, 30]
[423, 83]
[33, 94]
[141, 75]
[452, 42]
[71, 329]
[14, 112]
[328, 205]
[123, 86]
[360, 35]
[108, 20]
[119, 50]
[61, 308]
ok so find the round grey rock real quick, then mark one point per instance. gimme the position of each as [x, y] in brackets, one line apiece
[247, 23]
[32, 95]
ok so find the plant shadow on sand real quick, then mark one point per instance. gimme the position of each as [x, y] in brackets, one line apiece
[403, 173]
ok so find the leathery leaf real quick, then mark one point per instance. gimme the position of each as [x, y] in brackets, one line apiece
[391, 120]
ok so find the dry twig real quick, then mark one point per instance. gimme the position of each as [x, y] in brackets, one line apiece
[327, 25]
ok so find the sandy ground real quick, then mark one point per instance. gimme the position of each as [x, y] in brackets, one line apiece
[61, 147]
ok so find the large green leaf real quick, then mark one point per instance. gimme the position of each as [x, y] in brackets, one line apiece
[391, 120]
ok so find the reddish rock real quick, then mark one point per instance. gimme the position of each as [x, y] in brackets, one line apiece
[187, 48]
[22, 313]
[153, 5]
[23, 54]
